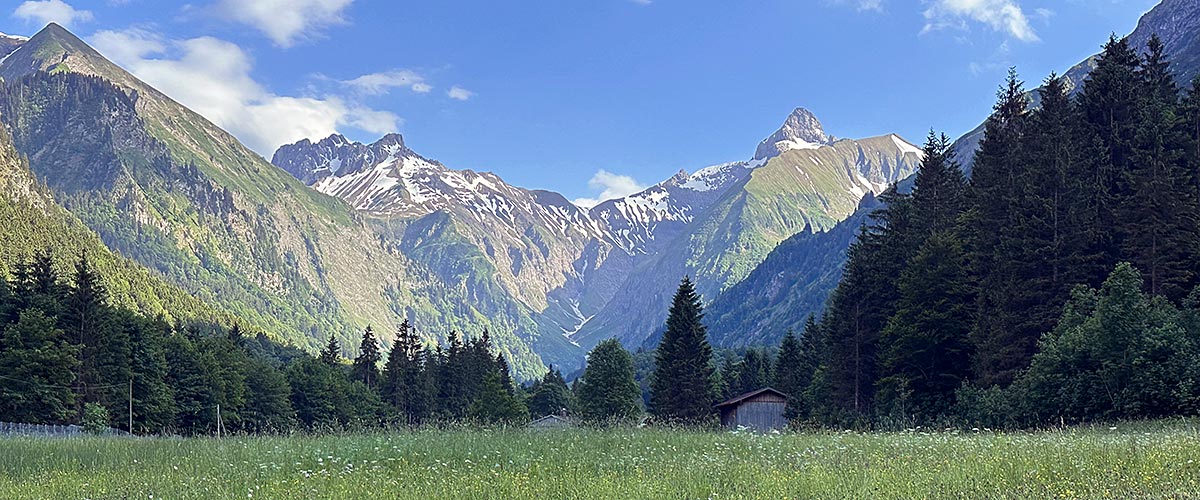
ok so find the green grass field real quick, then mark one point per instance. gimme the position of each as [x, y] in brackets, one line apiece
[1159, 460]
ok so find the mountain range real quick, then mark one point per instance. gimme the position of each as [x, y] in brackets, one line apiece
[331, 236]
[607, 271]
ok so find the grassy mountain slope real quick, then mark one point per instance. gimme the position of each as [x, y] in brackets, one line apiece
[33, 222]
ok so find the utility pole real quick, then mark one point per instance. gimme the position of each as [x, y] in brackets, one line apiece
[131, 406]
[218, 420]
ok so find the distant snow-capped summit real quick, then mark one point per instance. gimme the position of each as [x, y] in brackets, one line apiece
[801, 130]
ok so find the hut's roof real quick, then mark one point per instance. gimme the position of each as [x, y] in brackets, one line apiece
[738, 399]
[550, 418]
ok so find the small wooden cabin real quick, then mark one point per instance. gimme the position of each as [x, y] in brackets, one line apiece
[552, 422]
[760, 410]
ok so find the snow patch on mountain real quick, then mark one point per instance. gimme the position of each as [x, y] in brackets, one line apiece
[906, 148]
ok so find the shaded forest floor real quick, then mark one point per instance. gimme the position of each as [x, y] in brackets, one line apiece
[1139, 460]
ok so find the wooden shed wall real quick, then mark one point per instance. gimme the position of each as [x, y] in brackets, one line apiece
[762, 413]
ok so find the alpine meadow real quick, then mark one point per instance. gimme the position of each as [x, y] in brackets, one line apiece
[225, 273]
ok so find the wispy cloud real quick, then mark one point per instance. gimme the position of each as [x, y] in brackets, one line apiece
[285, 22]
[1001, 15]
[213, 77]
[862, 5]
[459, 93]
[44, 12]
[382, 83]
[607, 186]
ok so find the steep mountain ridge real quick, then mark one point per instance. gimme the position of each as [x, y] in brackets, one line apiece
[35, 222]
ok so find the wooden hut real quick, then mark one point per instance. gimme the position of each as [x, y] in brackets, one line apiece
[552, 422]
[760, 410]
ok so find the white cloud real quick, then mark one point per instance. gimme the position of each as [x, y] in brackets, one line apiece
[212, 77]
[285, 21]
[459, 93]
[609, 186]
[381, 83]
[1000, 15]
[862, 5]
[642, 2]
[51, 11]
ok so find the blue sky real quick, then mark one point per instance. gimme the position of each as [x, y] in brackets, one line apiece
[590, 98]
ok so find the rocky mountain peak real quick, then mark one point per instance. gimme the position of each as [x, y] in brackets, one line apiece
[801, 130]
[392, 139]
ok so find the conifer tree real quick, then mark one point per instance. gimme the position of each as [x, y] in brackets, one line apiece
[684, 384]
[104, 347]
[812, 351]
[495, 404]
[505, 372]
[788, 375]
[366, 365]
[1159, 227]
[332, 355]
[1109, 104]
[753, 371]
[551, 395]
[991, 221]
[268, 399]
[925, 355]
[404, 383]
[154, 399]
[41, 287]
[36, 371]
[607, 390]
[859, 308]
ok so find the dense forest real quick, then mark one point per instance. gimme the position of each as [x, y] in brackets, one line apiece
[68, 356]
[1058, 284]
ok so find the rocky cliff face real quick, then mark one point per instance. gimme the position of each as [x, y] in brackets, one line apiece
[802, 130]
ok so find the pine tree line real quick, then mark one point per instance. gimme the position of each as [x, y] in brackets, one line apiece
[67, 355]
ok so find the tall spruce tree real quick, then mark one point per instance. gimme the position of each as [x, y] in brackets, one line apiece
[154, 399]
[1159, 227]
[366, 364]
[993, 251]
[860, 307]
[1110, 105]
[753, 372]
[684, 385]
[925, 355]
[789, 376]
[104, 346]
[404, 384]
